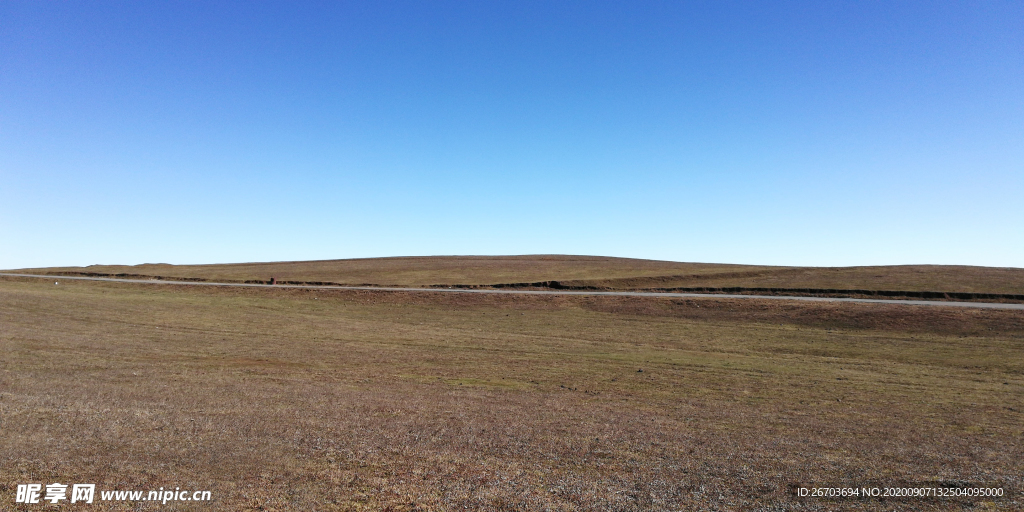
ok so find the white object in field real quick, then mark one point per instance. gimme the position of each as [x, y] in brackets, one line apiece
[55, 283]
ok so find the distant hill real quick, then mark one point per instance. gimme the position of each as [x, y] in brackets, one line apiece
[584, 272]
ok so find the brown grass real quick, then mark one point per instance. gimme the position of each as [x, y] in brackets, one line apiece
[310, 400]
[612, 273]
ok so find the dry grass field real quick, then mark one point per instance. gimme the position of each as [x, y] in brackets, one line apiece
[309, 400]
[603, 272]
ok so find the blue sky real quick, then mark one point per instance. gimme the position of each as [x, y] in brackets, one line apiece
[790, 133]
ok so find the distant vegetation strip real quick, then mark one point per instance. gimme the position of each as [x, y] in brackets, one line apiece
[558, 285]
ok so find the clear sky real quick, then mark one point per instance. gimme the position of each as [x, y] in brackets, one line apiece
[792, 133]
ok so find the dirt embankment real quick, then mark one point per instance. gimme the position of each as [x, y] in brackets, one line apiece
[813, 292]
[126, 276]
[623, 285]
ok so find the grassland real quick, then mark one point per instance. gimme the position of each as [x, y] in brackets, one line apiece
[601, 272]
[287, 399]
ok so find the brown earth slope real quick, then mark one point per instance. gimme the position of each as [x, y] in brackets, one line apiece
[422, 271]
[582, 271]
